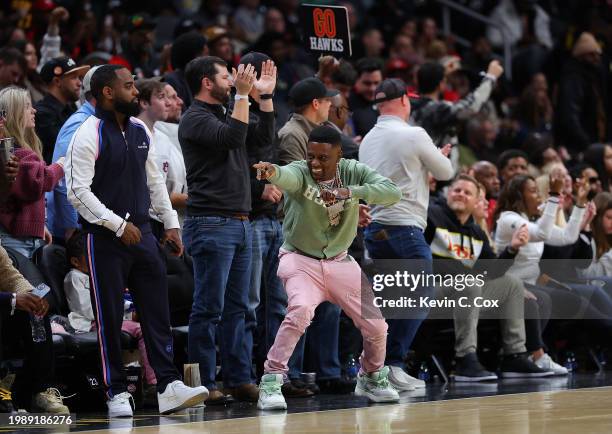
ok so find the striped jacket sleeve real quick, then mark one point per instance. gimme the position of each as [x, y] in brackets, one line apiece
[80, 170]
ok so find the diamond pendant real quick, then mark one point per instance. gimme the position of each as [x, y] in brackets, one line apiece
[333, 212]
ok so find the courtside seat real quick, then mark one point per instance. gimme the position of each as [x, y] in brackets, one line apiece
[54, 267]
[84, 344]
[59, 346]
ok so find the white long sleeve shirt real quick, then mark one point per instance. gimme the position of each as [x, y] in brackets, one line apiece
[527, 262]
[404, 154]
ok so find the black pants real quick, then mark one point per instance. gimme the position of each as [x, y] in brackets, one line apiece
[537, 314]
[141, 268]
[38, 371]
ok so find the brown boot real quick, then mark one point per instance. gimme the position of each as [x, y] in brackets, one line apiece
[292, 391]
[216, 397]
[244, 392]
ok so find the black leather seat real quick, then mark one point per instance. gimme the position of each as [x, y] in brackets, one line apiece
[180, 289]
[54, 267]
[33, 274]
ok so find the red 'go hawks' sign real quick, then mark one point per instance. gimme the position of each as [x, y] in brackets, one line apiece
[326, 29]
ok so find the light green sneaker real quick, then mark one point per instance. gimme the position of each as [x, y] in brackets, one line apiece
[270, 394]
[376, 386]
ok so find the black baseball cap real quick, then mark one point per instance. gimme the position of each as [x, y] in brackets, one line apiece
[391, 88]
[304, 91]
[256, 59]
[60, 66]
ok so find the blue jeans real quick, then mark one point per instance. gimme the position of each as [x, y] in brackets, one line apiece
[25, 246]
[264, 321]
[221, 248]
[401, 242]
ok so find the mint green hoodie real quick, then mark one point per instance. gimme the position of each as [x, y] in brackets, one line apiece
[306, 226]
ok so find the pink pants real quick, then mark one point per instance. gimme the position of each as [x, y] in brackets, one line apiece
[309, 282]
[133, 329]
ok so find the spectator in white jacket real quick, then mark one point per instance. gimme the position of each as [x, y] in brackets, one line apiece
[520, 204]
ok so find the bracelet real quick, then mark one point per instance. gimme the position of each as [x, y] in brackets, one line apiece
[512, 250]
[239, 97]
[266, 96]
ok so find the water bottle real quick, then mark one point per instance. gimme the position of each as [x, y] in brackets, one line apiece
[570, 362]
[39, 334]
[352, 368]
[424, 372]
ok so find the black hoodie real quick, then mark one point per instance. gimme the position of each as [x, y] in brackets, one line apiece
[460, 248]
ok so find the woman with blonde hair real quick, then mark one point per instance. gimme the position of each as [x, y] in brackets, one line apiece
[22, 215]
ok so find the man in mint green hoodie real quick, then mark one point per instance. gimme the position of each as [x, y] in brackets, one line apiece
[321, 213]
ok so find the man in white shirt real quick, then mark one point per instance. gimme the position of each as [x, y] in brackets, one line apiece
[404, 154]
[155, 108]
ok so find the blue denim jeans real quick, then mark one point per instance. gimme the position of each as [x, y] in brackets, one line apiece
[221, 248]
[264, 320]
[25, 246]
[401, 242]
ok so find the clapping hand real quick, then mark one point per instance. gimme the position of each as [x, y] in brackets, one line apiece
[267, 80]
[520, 237]
[244, 78]
[446, 150]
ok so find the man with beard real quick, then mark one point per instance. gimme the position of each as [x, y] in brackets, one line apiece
[112, 179]
[486, 173]
[361, 100]
[64, 79]
[217, 230]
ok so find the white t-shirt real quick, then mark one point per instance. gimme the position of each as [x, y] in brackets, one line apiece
[170, 162]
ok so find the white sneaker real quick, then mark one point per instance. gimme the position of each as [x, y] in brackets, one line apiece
[119, 405]
[270, 394]
[49, 401]
[546, 362]
[402, 381]
[177, 396]
[376, 386]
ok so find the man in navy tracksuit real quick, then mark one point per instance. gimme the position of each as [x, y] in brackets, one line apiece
[112, 180]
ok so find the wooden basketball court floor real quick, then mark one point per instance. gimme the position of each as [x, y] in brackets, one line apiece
[556, 406]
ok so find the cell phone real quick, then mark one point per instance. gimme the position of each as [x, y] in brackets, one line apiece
[41, 290]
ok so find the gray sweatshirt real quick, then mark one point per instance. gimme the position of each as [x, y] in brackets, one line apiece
[404, 154]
